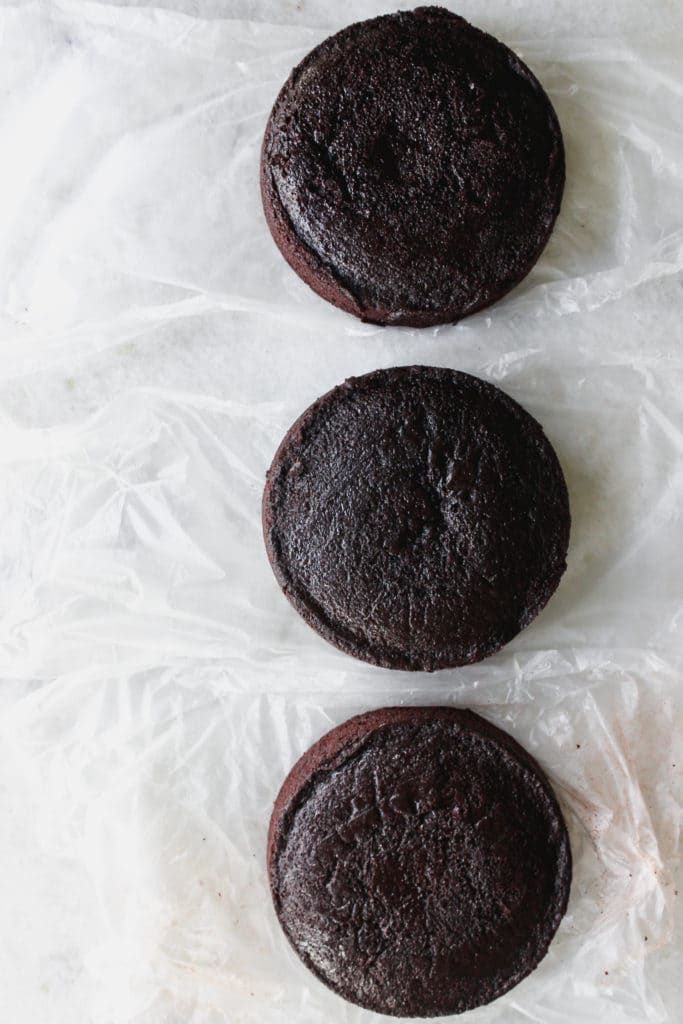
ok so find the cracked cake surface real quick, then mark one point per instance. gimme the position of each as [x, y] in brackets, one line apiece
[412, 168]
[416, 517]
[419, 862]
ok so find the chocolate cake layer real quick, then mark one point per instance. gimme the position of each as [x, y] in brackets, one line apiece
[412, 168]
[416, 517]
[419, 862]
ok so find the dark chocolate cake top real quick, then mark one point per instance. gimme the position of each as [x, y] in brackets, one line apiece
[412, 168]
[416, 517]
[419, 862]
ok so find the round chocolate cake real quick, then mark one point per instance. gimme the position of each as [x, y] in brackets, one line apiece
[412, 169]
[416, 517]
[418, 860]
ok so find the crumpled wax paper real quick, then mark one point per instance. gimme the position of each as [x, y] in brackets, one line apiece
[157, 685]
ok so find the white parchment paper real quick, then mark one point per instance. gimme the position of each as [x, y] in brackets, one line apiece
[156, 685]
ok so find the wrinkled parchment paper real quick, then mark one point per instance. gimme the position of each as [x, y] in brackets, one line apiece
[157, 686]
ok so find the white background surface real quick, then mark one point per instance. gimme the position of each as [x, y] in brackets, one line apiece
[157, 687]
